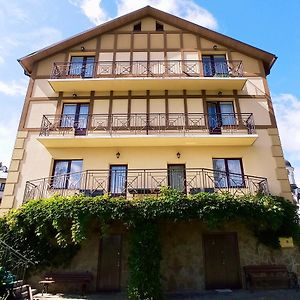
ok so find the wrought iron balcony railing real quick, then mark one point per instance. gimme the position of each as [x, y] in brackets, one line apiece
[161, 68]
[153, 123]
[132, 182]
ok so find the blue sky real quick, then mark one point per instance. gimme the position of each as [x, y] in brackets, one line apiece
[28, 25]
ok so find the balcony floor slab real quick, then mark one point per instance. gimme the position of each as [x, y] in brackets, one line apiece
[123, 140]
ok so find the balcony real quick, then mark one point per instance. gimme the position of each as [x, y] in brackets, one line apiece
[136, 182]
[159, 129]
[147, 75]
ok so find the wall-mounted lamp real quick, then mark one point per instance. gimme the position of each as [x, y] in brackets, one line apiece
[220, 93]
[178, 154]
[215, 47]
[82, 48]
[118, 154]
[74, 95]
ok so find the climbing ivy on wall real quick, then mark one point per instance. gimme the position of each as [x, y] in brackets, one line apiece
[50, 231]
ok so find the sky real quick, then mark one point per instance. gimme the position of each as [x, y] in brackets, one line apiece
[272, 25]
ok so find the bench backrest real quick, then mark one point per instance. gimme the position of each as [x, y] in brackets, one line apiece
[265, 268]
[69, 276]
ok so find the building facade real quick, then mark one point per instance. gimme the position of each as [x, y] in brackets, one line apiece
[144, 101]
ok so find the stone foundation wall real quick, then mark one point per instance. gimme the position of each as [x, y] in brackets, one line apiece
[182, 265]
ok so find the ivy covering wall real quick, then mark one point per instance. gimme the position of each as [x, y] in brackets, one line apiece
[50, 231]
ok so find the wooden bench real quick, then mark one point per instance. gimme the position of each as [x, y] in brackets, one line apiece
[269, 276]
[83, 278]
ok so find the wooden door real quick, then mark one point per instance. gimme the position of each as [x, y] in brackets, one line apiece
[109, 269]
[222, 266]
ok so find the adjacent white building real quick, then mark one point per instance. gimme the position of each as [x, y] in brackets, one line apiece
[294, 188]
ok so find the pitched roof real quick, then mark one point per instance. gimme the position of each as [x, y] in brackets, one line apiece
[148, 11]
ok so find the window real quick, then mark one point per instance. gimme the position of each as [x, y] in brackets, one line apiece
[215, 65]
[2, 186]
[176, 177]
[228, 173]
[137, 26]
[75, 115]
[67, 174]
[220, 114]
[159, 26]
[82, 66]
[118, 180]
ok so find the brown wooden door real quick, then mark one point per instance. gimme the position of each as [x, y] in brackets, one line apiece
[109, 263]
[222, 266]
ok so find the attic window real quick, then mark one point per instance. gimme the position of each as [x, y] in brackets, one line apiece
[137, 26]
[159, 26]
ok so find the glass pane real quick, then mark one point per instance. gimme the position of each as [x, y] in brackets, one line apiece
[118, 176]
[68, 117]
[220, 177]
[60, 170]
[76, 65]
[220, 65]
[75, 176]
[208, 70]
[83, 116]
[213, 121]
[177, 177]
[234, 166]
[227, 113]
[89, 66]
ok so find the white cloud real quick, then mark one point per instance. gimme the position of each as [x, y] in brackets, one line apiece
[1, 60]
[187, 9]
[41, 37]
[92, 9]
[13, 88]
[287, 109]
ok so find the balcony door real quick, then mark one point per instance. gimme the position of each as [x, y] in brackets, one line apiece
[177, 177]
[220, 114]
[215, 66]
[118, 180]
[75, 115]
[82, 66]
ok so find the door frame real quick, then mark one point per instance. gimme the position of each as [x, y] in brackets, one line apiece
[237, 255]
[110, 176]
[100, 249]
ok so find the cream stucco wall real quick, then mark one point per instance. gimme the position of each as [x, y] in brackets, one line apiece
[36, 111]
[42, 88]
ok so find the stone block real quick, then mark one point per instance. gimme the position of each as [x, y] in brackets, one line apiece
[276, 151]
[273, 131]
[19, 144]
[13, 177]
[9, 189]
[18, 154]
[14, 165]
[7, 202]
[22, 134]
